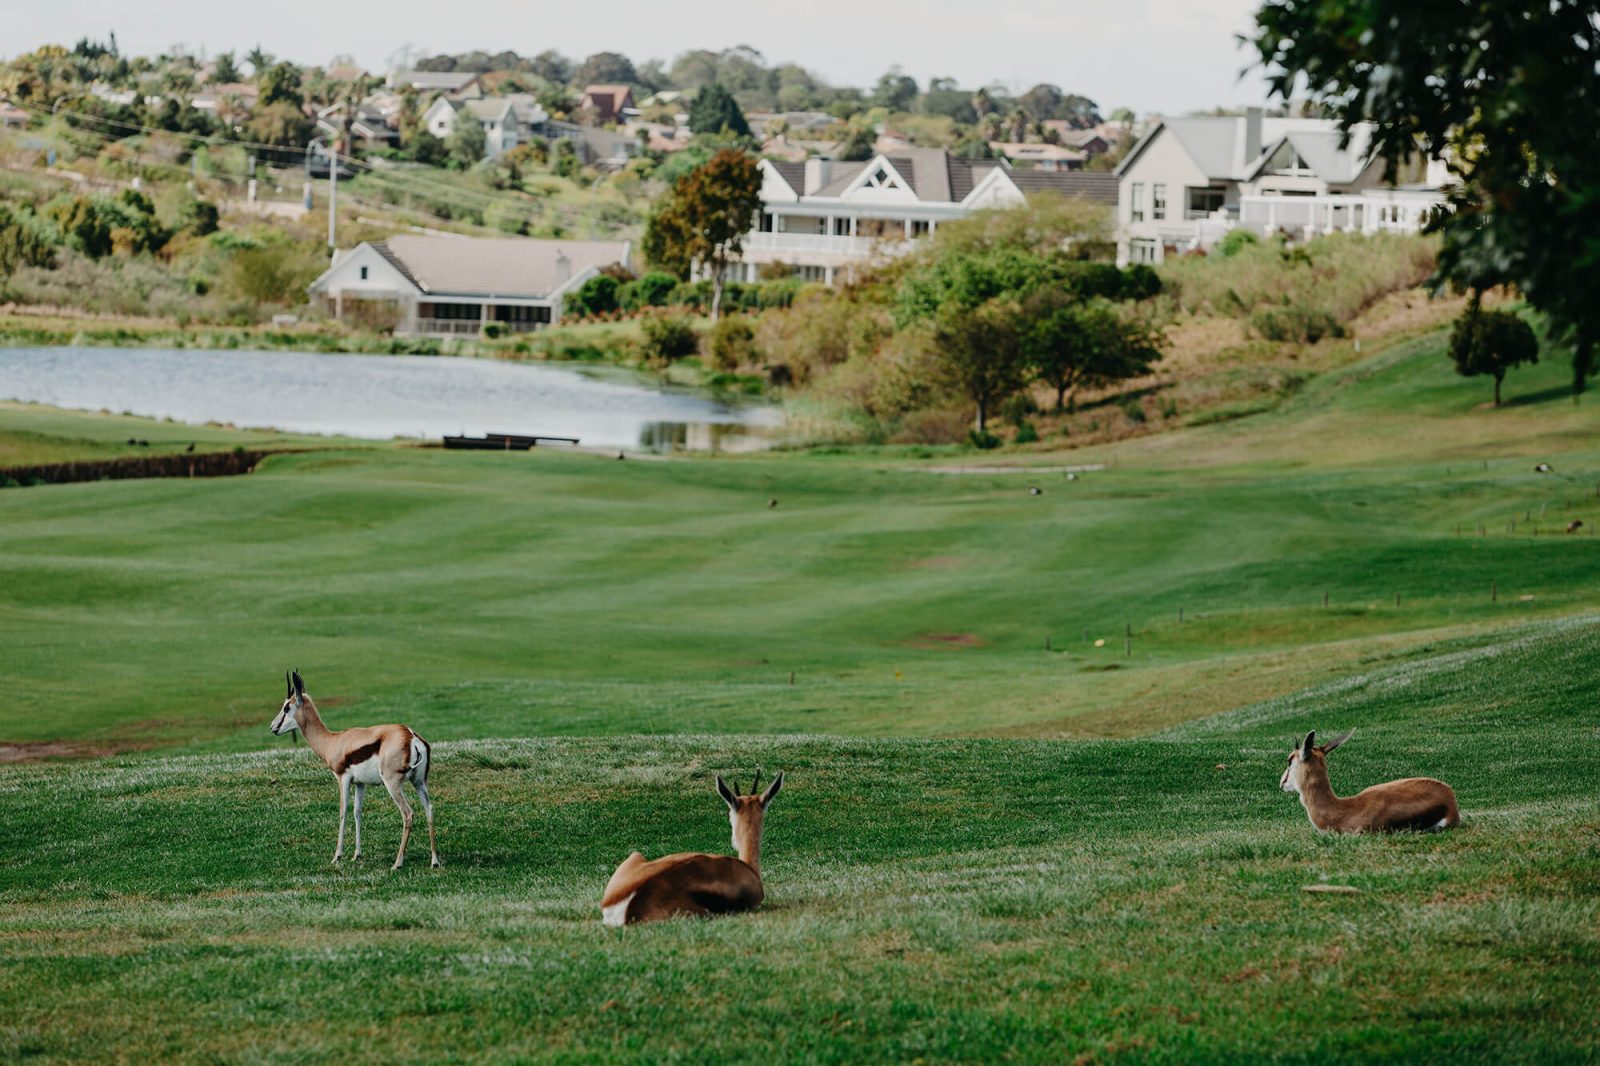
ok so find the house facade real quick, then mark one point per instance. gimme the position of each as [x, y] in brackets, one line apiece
[608, 103]
[503, 126]
[457, 286]
[824, 217]
[1188, 181]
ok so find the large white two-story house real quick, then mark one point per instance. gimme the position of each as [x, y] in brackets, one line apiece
[449, 286]
[507, 121]
[1189, 180]
[821, 216]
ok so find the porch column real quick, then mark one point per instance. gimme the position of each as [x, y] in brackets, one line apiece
[908, 229]
[827, 274]
[483, 314]
[338, 305]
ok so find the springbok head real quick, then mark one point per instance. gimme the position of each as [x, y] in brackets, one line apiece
[745, 812]
[286, 721]
[1308, 753]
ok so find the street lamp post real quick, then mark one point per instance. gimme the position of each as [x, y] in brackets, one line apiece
[333, 189]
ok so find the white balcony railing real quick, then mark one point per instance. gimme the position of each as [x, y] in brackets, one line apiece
[823, 244]
[1308, 216]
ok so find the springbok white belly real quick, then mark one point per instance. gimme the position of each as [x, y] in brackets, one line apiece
[617, 913]
[366, 773]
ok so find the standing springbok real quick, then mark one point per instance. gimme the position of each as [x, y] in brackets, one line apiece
[363, 756]
[1410, 803]
[691, 882]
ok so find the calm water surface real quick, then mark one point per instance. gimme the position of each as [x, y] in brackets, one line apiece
[377, 396]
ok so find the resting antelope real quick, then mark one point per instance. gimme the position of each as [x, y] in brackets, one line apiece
[694, 883]
[1410, 803]
[366, 755]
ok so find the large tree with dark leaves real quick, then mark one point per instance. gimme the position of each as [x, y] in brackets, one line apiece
[1508, 92]
[702, 220]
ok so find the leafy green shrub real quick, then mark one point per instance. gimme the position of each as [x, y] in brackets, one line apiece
[667, 338]
[983, 439]
[1026, 433]
[1016, 409]
[731, 343]
[1296, 322]
[652, 290]
[597, 296]
[1234, 240]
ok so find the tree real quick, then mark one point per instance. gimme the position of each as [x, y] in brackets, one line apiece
[605, 68]
[860, 142]
[225, 72]
[714, 109]
[1071, 343]
[1491, 342]
[466, 141]
[1505, 91]
[895, 91]
[1042, 100]
[981, 355]
[279, 123]
[21, 244]
[280, 84]
[702, 220]
[259, 59]
[552, 66]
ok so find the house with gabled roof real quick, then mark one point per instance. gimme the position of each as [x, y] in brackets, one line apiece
[1189, 180]
[447, 286]
[823, 216]
[502, 125]
[608, 103]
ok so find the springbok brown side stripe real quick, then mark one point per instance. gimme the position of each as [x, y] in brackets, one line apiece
[358, 756]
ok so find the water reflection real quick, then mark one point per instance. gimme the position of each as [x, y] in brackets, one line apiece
[383, 396]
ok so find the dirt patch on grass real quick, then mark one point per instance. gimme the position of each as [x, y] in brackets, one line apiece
[30, 751]
[948, 640]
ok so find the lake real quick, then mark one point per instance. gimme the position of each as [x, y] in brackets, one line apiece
[381, 396]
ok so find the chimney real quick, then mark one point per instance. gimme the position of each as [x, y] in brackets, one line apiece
[1252, 134]
[818, 173]
[563, 268]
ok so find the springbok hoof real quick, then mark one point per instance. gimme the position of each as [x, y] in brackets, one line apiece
[436, 861]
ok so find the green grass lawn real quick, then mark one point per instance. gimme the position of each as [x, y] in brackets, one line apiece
[939, 899]
[986, 848]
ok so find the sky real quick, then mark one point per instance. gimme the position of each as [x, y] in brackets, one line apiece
[1154, 56]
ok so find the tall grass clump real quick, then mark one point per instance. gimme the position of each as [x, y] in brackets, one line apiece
[1340, 275]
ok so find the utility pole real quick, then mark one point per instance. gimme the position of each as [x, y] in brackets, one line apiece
[333, 190]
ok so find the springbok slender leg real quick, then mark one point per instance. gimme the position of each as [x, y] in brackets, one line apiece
[344, 797]
[393, 785]
[427, 810]
[361, 792]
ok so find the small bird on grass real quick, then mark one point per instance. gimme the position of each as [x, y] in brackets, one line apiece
[772, 503]
[190, 448]
[1034, 490]
[1542, 468]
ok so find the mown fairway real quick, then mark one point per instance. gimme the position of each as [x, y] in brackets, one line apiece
[588, 641]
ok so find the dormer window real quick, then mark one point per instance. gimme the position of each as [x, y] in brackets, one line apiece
[881, 178]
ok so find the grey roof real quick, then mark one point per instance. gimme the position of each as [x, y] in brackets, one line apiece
[792, 173]
[966, 173]
[1217, 144]
[1321, 151]
[1100, 187]
[492, 265]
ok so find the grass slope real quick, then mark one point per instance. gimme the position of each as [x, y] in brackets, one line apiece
[1136, 900]
[493, 595]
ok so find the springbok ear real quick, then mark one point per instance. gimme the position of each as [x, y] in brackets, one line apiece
[1337, 741]
[772, 789]
[1310, 742]
[299, 683]
[727, 794]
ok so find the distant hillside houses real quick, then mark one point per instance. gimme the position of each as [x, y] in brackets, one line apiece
[824, 217]
[1188, 181]
[453, 286]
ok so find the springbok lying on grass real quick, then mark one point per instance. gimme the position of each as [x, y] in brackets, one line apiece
[1410, 803]
[366, 755]
[691, 882]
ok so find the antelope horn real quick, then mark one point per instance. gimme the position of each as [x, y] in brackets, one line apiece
[287, 680]
[755, 786]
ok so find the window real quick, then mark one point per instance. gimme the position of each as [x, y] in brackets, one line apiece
[841, 227]
[1136, 202]
[1203, 201]
[1144, 251]
[363, 273]
[919, 228]
[1158, 201]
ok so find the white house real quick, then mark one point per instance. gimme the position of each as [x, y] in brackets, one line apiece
[455, 82]
[449, 286]
[1190, 180]
[823, 216]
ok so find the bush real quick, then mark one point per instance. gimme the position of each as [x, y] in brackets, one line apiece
[731, 343]
[597, 296]
[1234, 240]
[982, 439]
[1016, 409]
[652, 290]
[1296, 322]
[1026, 433]
[667, 338]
